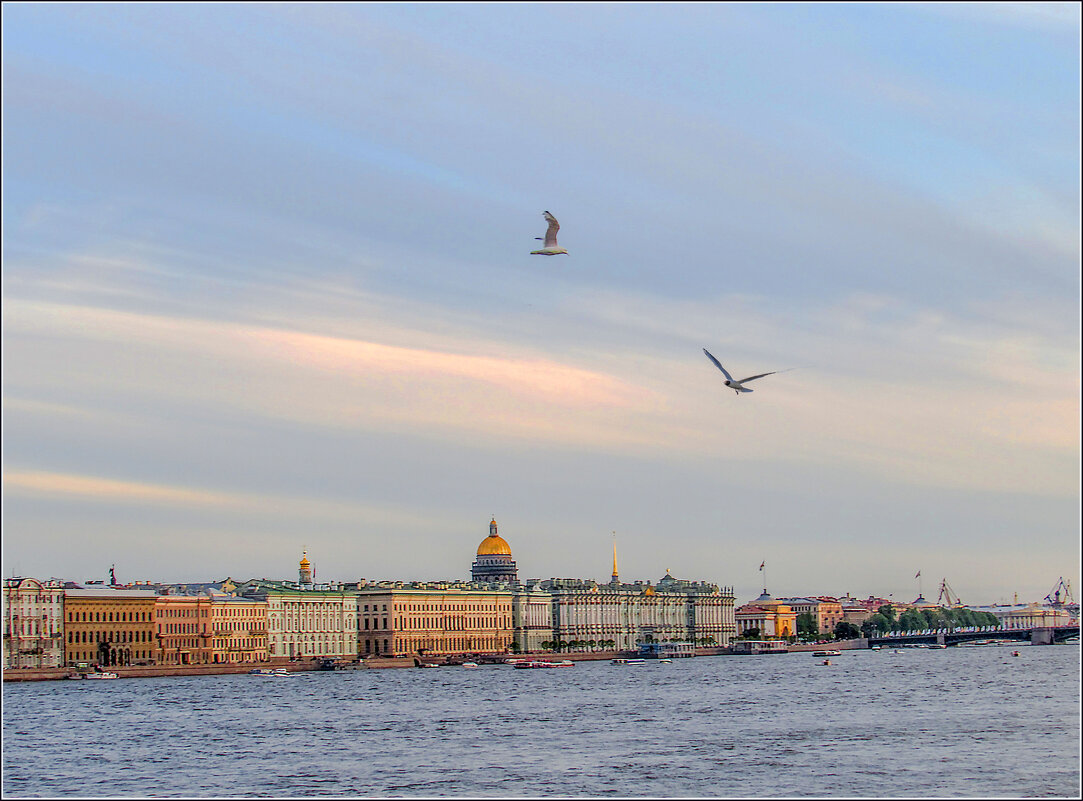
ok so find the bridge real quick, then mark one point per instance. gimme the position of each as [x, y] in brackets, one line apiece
[1036, 636]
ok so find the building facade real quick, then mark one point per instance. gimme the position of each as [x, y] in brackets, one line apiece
[443, 618]
[766, 617]
[33, 623]
[306, 620]
[107, 626]
[826, 611]
[623, 615]
[531, 617]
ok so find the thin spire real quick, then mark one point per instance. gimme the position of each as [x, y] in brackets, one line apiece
[616, 576]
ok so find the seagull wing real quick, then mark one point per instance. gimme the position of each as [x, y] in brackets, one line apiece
[551, 232]
[718, 364]
[754, 377]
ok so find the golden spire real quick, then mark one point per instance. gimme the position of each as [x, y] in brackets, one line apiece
[615, 574]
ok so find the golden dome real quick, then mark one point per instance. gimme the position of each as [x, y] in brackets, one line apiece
[304, 560]
[494, 544]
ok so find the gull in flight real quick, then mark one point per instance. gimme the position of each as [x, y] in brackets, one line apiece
[736, 386]
[551, 248]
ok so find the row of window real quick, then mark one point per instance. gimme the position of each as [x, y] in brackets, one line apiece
[100, 617]
[109, 636]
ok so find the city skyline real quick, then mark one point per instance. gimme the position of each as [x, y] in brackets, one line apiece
[267, 286]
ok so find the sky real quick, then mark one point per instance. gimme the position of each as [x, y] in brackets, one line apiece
[267, 288]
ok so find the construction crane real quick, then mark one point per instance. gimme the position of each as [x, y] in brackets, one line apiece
[1054, 596]
[947, 594]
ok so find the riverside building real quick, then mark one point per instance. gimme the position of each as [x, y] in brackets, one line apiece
[109, 626]
[444, 618]
[826, 611]
[767, 617]
[623, 615]
[33, 623]
[306, 620]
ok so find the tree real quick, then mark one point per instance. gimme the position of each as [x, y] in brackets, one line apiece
[888, 611]
[806, 623]
[912, 620]
[516, 648]
[846, 631]
[877, 623]
[752, 633]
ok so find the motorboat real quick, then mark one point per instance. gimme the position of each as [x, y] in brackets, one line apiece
[101, 676]
[665, 660]
[470, 664]
[527, 665]
[261, 672]
[827, 653]
[279, 672]
[826, 662]
[630, 661]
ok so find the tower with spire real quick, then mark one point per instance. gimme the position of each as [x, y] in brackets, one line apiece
[305, 572]
[615, 578]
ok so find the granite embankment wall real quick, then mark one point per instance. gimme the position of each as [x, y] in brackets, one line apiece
[148, 671]
[371, 663]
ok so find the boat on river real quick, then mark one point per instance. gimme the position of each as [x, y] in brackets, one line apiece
[827, 653]
[530, 665]
[470, 665]
[100, 676]
[630, 661]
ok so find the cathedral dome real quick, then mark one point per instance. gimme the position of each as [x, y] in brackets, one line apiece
[494, 544]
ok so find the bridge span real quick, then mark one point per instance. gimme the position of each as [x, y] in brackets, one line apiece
[1036, 636]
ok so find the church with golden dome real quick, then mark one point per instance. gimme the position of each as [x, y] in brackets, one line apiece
[494, 562]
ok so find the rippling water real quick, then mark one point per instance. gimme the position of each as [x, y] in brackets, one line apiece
[960, 722]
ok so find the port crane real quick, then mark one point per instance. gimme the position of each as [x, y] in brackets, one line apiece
[1055, 598]
[947, 594]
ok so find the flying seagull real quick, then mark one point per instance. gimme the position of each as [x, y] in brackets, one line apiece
[736, 386]
[551, 248]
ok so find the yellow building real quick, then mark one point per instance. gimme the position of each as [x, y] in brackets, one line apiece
[182, 623]
[826, 611]
[238, 629]
[437, 618]
[108, 626]
[768, 617]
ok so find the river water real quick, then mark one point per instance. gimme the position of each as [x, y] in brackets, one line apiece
[959, 722]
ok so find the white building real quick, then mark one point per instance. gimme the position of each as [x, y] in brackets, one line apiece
[306, 620]
[33, 623]
[627, 614]
[532, 617]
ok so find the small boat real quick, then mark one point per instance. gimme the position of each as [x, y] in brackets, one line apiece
[528, 665]
[1015, 653]
[826, 662]
[100, 676]
[260, 672]
[470, 664]
[936, 646]
[514, 661]
[629, 661]
[665, 660]
[428, 665]
[279, 672]
[827, 653]
[876, 648]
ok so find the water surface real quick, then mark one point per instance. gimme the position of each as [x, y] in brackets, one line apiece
[960, 722]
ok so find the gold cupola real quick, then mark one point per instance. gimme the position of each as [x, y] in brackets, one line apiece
[494, 544]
